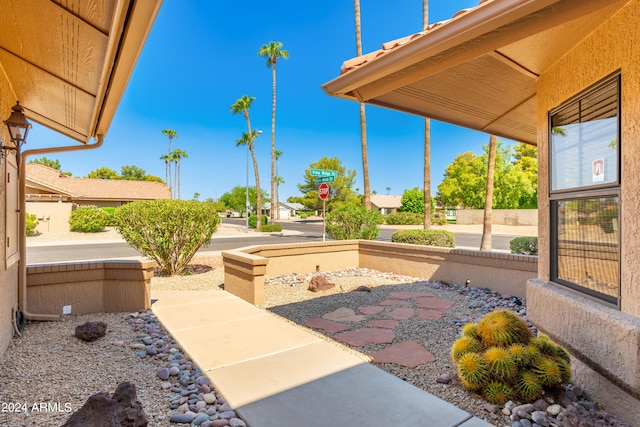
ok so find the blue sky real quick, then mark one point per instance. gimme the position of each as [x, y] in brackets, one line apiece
[202, 55]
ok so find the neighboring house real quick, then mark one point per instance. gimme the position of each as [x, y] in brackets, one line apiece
[386, 204]
[563, 75]
[68, 64]
[44, 185]
[289, 210]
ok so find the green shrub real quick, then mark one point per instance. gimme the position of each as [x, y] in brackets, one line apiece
[269, 228]
[442, 238]
[168, 231]
[353, 222]
[527, 245]
[111, 221]
[31, 224]
[438, 218]
[253, 220]
[88, 219]
[403, 218]
[303, 215]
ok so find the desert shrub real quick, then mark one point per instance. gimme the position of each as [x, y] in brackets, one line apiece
[403, 218]
[253, 220]
[353, 222]
[111, 221]
[31, 224]
[524, 245]
[269, 228]
[438, 218]
[168, 231]
[88, 219]
[498, 358]
[442, 238]
[303, 215]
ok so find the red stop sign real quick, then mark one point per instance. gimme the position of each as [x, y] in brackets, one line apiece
[324, 191]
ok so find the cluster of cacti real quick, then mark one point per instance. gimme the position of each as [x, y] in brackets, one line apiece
[499, 359]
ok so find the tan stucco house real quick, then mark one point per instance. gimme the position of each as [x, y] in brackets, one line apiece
[563, 75]
[67, 63]
[386, 204]
[52, 195]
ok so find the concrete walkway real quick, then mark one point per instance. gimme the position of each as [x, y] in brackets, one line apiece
[275, 374]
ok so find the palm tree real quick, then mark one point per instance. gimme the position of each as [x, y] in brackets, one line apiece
[167, 160]
[278, 179]
[171, 134]
[272, 52]
[242, 105]
[388, 190]
[176, 155]
[247, 139]
[363, 119]
[427, 141]
[485, 244]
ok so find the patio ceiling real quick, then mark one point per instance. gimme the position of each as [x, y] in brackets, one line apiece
[68, 61]
[479, 69]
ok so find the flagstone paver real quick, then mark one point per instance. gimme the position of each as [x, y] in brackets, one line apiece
[429, 314]
[344, 314]
[382, 323]
[366, 336]
[409, 295]
[401, 313]
[406, 353]
[370, 309]
[329, 326]
[389, 302]
[434, 303]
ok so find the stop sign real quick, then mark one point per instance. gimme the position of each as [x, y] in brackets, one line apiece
[324, 191]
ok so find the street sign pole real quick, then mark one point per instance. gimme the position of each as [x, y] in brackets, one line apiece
[324, 203]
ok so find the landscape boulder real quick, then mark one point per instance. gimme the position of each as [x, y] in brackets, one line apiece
[91, 331]
[320, 283]
[120, 410]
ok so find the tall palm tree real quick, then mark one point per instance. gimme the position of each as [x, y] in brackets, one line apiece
[177, 155]
[171, 134]
[167, 160]
[485, 244]
[363, 119]
[242, 105]
[247, 138]
[427, 141]
[273, 51]
[278, 179]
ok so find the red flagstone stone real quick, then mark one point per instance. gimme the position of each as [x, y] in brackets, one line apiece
[371, 309]
[382, 323]
[434, 303]
[429, 314]
[406, 353]
[409, 295]
[401, 313]
[366, 336]
[328, 326]
[344, 314]
[393, 302]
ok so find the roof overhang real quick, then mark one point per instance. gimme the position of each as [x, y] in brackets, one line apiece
[479, 69]
[68, 63]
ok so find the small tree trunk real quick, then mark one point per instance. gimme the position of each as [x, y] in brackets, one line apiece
[485, 244]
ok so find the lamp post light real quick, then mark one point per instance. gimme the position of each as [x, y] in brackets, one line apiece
[18, 130]
[251, 138]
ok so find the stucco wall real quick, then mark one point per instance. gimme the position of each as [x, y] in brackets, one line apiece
[8, 273]
[612, 46]
[52, 216]
[499, 216]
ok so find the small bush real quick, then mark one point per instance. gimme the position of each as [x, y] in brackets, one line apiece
[403, 218]
[111, 220]
[353, 222]
[442, 238]
[168, 231]
[31, 224]
[253, 220]
[524, 245]
[88, 219]
[438, 218]
[270, 228]
[303, 215]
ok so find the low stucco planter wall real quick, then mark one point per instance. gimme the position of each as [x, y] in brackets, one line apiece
[246, 268]
[90, 287]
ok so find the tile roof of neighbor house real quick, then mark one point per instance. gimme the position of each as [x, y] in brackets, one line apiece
[353, 63]
[386, 201]
[95, 189]
[294, 206]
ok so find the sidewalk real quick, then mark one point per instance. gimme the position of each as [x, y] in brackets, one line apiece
[274, 373]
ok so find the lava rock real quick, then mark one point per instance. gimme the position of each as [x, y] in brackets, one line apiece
[91, 331]
[122, 409]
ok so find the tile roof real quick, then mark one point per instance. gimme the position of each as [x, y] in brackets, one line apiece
[353, 63]
[95, 189]
[386, 201]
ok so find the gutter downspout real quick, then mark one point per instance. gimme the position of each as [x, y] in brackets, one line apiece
[22, 272]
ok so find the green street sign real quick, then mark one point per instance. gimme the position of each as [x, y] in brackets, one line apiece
[323, 172]
[326, 179]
